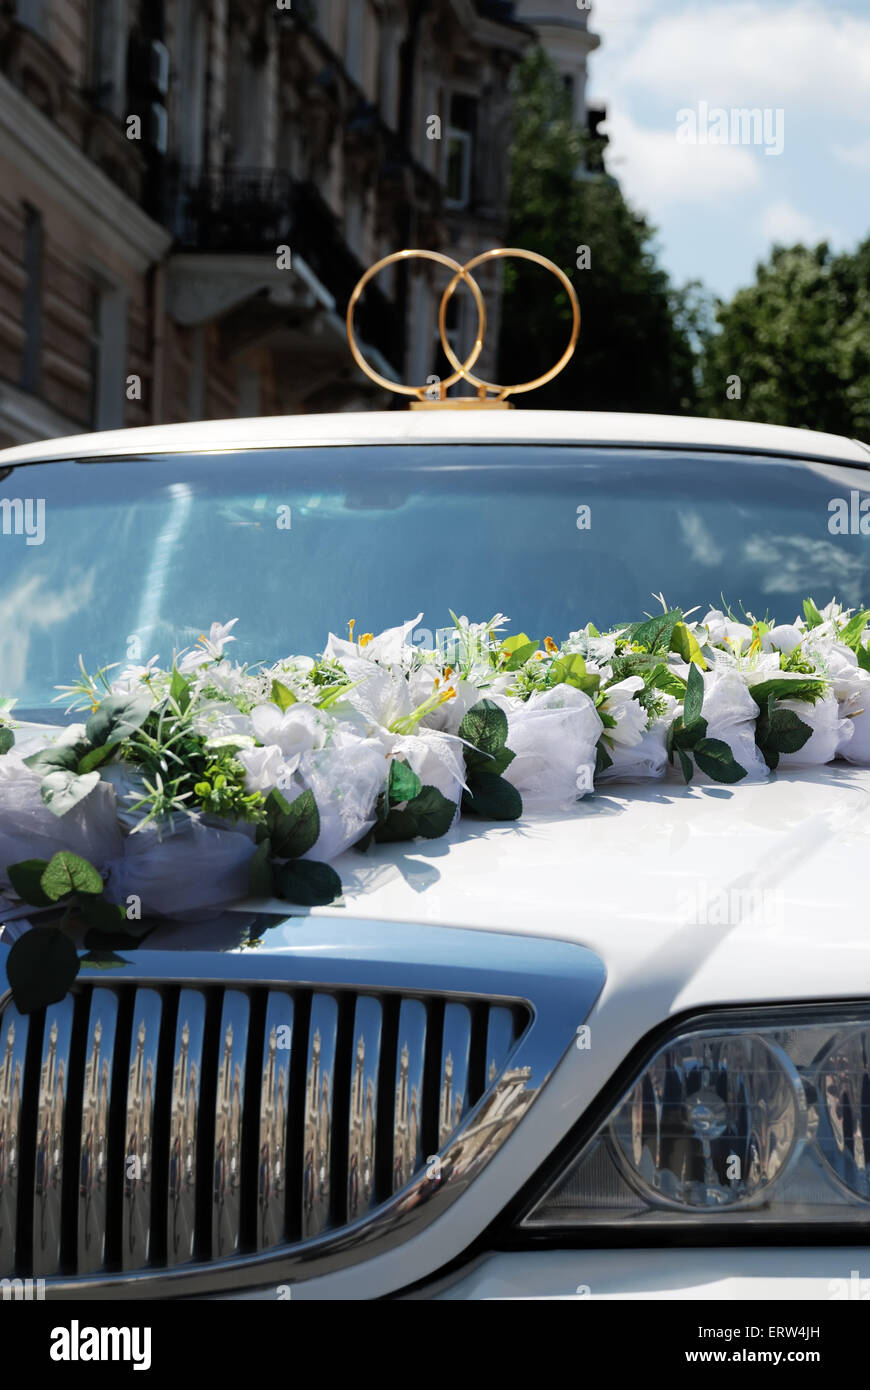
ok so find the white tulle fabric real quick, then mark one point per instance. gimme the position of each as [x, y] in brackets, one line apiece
[554, 737]
[199, 866]
[643, 762]
[731, 712]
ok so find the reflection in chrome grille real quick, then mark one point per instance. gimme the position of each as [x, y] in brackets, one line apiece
[407, 1119]
[94, 1151]
[274, 1101]
[49, 1168]
[226, 1193]
[213, 1120]
[138, 1156]
[363, 1103]
[186, 1075]
[318, 1114]
[13, 1048]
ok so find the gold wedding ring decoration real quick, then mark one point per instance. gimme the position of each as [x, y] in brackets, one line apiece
[462, 370]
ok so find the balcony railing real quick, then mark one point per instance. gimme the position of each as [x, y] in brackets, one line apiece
[253, 212]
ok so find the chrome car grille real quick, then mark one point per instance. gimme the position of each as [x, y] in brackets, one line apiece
[200, 1117]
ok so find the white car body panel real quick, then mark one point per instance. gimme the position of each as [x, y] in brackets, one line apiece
[613, 875]
[731, 1273]
[446, 427]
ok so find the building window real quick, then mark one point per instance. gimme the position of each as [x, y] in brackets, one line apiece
[459, 151]
[31, 316]
[107, 59]
[107, 352]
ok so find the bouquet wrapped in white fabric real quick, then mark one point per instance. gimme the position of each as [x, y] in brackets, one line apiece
[192, 785]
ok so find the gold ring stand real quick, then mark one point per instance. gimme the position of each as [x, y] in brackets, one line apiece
[462, 370]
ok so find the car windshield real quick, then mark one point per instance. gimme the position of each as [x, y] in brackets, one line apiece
[138, 556]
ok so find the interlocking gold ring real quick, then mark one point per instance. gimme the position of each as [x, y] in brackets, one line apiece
[461, 368]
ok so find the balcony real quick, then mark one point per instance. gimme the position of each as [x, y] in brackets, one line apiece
[249, 213]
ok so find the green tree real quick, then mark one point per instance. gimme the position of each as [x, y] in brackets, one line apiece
[799, 340]
[635, 348]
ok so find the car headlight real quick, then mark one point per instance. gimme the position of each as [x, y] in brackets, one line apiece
[752, 1118]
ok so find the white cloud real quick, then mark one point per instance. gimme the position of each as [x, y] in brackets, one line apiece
[756, 55]
[856, 155]
[782, 222]
[656, 169]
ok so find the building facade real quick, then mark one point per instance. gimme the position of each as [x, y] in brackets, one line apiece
[189, 190]
[562, 29]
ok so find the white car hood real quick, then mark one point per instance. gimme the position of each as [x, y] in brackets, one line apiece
[621, 872]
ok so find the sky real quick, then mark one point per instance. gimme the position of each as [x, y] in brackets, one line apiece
[719, 207]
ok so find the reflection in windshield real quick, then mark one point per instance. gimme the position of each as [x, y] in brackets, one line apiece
[141, 555]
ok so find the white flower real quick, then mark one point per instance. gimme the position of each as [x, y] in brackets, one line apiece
[630, 716]
[220, 719]
[266, 768]
[722, 630]
[298, 729]
[388, 648]
[133, 676]
[783, 638]
[209, 648]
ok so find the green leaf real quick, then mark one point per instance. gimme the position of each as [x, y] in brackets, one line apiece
[656, 633]
[690, 735]
[685, 644]
[518, 650]
[716, 759]
[40, 968]
[336, 693]
[571, 670]
[485, 726]
[118, 716]
[309, 883]
[103, 915]
[497, 765]
[663, 678]
[403, 784]
[671, 737]
[66, 873]
[179, 689]
[94, 759]
[854, 629]
[694, 701]
[61, 791]
[685, 764]
[62, 758]
[295, 828]
[7, 739]
[812, 615]
[282, 695]
[807, 688]
[26, 879]
[635, 664]
[429, 815]
[863, 656]
[99, 959]
[788, 731]
[603, 759]
[261, 875]
[492, 798]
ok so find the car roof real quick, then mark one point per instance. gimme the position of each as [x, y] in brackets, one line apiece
[445, 426]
